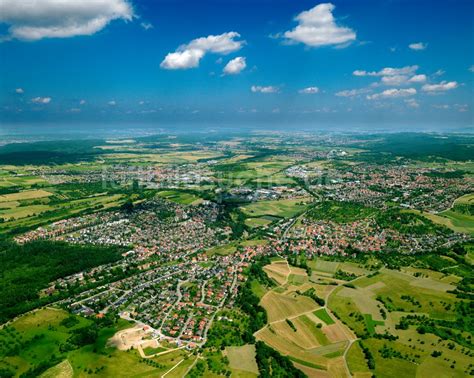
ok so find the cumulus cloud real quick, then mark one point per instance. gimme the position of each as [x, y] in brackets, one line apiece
[189, 55]
[388, 71]
[395, 76]
[267, 89]
[309, 90]
[440, 87]
[317, 27]
[418, 46]
[235, 66]
[112, 103]
[352, 92]
[34, 20]
[392, 93]
[82, 102]
[396, 80]
[19, 91]
[41, 100]
[418, 79]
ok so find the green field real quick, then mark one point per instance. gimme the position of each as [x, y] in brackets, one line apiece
[182, 198]
[257, 222]
[324, 316]
[37, 341]
[324, 266]
[455, 221]
[371, 323]
[242, 358]
[278, 208]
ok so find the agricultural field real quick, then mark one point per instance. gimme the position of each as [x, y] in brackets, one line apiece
[300, 328]
[242, 358]
[182, 198]
[278, 208]
[454, 220]
[376, 304]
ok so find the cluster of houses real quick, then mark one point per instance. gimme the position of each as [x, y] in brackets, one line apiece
[316, 237]
[409, 186]
[177, 300]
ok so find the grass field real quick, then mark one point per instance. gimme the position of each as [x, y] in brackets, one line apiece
[324, 316]
[182, 198]
[323, 266]
[23, 181]
[257, 222]
[404, 294]
[356, 359]
[41, 334]
[169, 157]
[455, 221]
[17, 216]
[279, 208]
[242, 358]
[61, 370]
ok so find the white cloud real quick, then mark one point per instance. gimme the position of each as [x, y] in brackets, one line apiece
[440, 87]
[418, 46]
[267, 89]
[412, 103]
[418, 79]
[112, 103]
[471, 68]
[394, 80]
[82, 102]
[352, 92]
[41, 100]
[146, 25]
[189, 55]
[397, 80]
[393, 93]
[309, 90]
[182, 60]
[388, 71]
[36, 19]
[19, 91]
[317, 27]
[441, 72]
[235, 66]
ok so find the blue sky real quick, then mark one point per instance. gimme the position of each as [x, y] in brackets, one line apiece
[229, 62]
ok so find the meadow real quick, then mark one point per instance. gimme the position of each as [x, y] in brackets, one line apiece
[277, 208]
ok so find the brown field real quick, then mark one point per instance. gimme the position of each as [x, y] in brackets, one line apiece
[280, 307]
[127, 338]
[278, 271]
[312, 373]
[337, 368]
[25, 195]
[336, 332]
